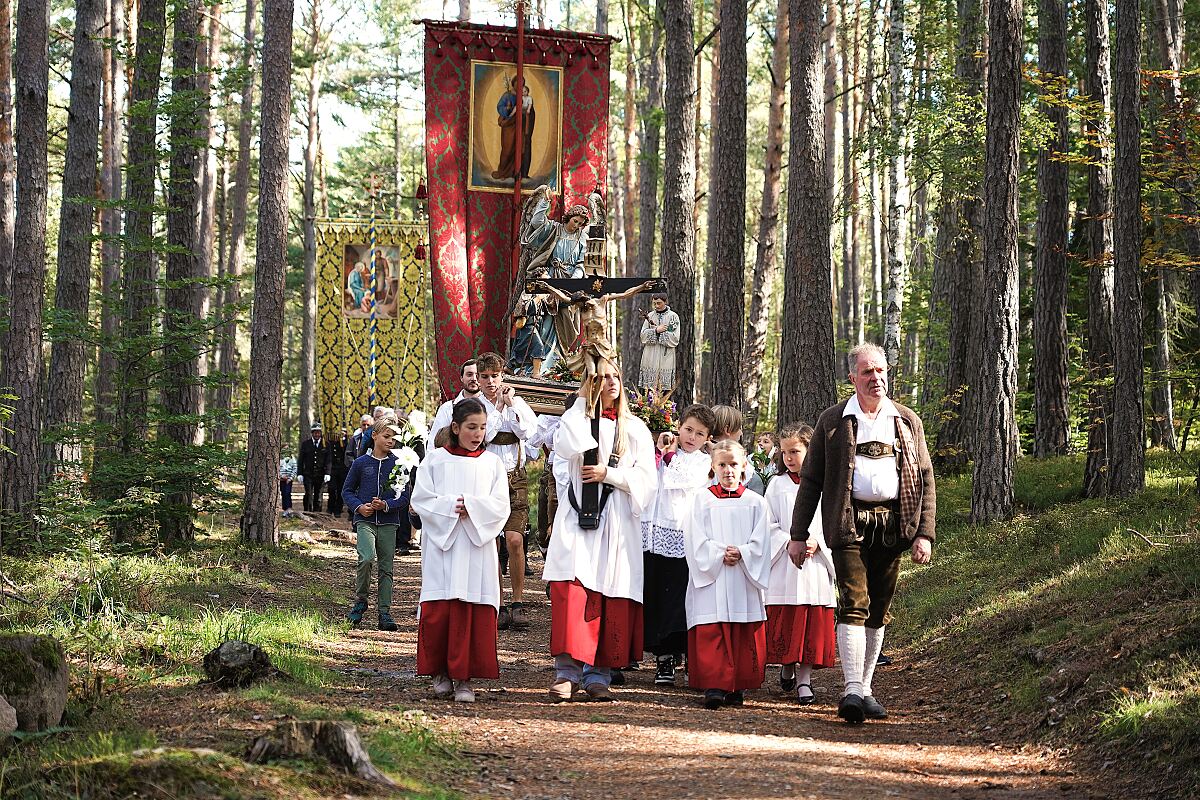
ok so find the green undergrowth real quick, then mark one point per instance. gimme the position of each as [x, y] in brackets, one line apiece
[135, 627]
[1078, 619]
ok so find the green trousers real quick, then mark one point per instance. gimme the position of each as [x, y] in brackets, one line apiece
[376, 545]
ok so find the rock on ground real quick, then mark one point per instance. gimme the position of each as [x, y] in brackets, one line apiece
[8, 719]
[237, 663]
[335, 741]
[33, 679]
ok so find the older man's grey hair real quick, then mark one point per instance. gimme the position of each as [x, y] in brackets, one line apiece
[864, 349]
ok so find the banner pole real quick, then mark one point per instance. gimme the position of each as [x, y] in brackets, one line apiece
[518, 166]
[373, 324]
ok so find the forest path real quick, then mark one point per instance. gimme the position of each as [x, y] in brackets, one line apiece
[656, 743]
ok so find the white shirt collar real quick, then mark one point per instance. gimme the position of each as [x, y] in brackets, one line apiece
[886, 408]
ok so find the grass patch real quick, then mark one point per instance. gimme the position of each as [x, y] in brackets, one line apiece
[1078, 618]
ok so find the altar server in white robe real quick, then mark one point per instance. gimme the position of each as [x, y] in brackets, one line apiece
[727, 541]
[461, 493]
[800, 600]
[595, 575]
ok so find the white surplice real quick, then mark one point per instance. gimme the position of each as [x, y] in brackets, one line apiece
[717, 592]
[812, 584]
[678, 482]
[608, 559]
[458, 554]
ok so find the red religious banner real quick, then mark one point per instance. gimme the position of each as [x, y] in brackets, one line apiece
[476, 147]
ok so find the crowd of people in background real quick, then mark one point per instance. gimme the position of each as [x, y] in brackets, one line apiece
[716, 561]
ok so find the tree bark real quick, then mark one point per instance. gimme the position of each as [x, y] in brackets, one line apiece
[1051, 419]
[873, 189]
[238, 205]
[73, 281]
[137, 280]
[208, 62]
[727, 228]
[996, 455]
[464, 10]
[768, 226]
[1127, 457]
[1162, 415]
[308, 307]
[602, 16]
[8, 161]
[806, 376]
[1100, 244]
[21, 372]
[260, 521]
[679, 171]
[112, 140]
[183, 298]
[714, 114]
[897, 229]
[848, 290]
[630, 321]
[650, 145]
[957, 262]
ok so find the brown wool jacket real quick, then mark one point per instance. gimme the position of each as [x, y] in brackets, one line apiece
[825, 478]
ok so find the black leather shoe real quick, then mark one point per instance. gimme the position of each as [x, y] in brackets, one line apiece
[735, 699]
[851, 709]
[873, 709]
[714, 699]
[883, 660]
[806, 700]
[787, 682]
[617, 678]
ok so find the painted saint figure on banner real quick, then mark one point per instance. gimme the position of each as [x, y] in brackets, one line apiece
[357, 294]
[506, 111]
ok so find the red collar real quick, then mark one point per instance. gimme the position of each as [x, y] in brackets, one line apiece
[609, 413]
[724, 494]
[454, 450]
[795, 476]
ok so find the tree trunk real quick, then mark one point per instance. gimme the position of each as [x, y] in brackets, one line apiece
[238, 204]
[1100, 268]
[727, 227]
[21, 373]
[112, 136]
[1162, 415]
[308, 308]
[806, 376]
[714, 115]
[1127, 457]
[602, 17]
[996, 455]
[679, 170]
[137, 287]
[847, 300]
[958, 258]
[183, 299]
[630, 320]
[876, 297]
[8, 161]
[768, 226]
[1051, 420]
[208, 61]
[73, 281]
[260, 520]
[897, 228]
[464, 10]
[649, 141]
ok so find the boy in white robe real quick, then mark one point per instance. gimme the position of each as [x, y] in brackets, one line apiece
[728, 541]
[800, 601]
[461, 493]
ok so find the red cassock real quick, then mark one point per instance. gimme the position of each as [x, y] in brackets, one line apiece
[727, 655]
[800, 635]
[457, 639]
[592, 628]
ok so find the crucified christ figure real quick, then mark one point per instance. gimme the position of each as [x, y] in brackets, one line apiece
[591, 345]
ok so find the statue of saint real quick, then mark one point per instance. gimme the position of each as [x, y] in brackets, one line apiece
[660, 337]
[551, 249]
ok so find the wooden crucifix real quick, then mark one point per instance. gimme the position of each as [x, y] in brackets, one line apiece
[591, 294]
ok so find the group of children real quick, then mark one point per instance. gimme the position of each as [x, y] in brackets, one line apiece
[718, 587]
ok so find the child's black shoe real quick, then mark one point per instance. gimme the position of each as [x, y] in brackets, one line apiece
[664, 675]
[735, 698]
[714, 699]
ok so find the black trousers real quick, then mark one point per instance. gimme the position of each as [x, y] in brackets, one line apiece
[664, 615]
[335, 494]
[312, 492]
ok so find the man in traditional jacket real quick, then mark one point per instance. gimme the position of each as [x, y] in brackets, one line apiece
[869, 472]
[314, 466]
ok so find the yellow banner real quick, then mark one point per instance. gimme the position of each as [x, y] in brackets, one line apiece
[344, 319]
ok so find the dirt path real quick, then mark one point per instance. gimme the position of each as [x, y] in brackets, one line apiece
[656, 743]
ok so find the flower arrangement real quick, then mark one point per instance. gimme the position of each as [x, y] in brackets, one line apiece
[409, 432]
[654, 408]
[561, 372]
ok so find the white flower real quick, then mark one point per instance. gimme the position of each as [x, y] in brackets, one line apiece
[418, 421]
[406, 459]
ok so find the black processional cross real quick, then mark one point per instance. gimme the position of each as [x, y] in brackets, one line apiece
[592, 293]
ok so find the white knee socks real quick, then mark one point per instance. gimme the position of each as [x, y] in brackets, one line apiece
[804, 680]
[874, 638]
[851, 646]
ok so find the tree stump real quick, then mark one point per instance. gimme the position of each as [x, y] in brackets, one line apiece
[335, 741]
[8, 721]
[235, 663]
[33, 679]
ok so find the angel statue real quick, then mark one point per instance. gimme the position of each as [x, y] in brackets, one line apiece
[551, 249]
[592, 334]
